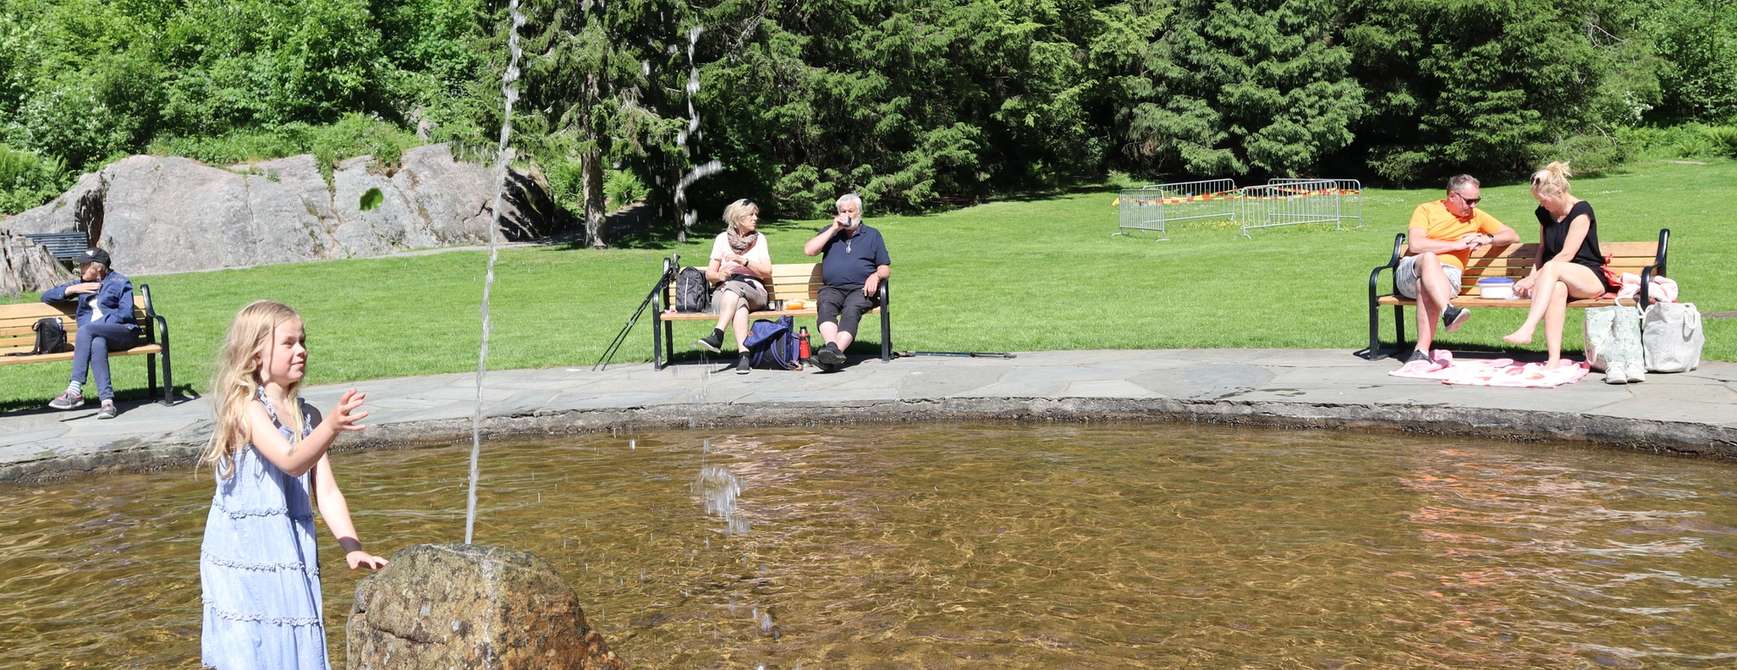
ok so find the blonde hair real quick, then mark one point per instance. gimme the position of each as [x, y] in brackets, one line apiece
[237, 380]
[1552, 180]
[737, 211]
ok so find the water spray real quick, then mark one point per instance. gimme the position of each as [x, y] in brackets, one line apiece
[510, 93]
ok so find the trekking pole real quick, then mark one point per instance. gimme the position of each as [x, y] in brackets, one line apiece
[656, 287]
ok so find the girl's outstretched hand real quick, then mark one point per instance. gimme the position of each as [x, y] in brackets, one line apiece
[359, 558]
[349, 412]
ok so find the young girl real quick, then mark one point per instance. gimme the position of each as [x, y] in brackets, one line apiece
[268, 450]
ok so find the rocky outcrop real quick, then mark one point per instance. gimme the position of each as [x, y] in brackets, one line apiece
[160, 214]
[28, 267]
[470, 606]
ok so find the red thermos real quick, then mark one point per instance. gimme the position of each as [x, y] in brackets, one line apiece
[804, 347]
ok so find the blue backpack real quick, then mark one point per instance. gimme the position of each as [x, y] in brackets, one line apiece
[773, 344]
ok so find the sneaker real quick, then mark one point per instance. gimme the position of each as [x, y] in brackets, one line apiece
[1615, 374]
[828, 358]
[742, 365]
[713, 341]
[1637, 372]
[1454, 317]
[67, 401]
[108, 410]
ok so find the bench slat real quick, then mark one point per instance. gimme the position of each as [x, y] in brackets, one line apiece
[17, 321]
[1474, 301]
[5, 359]
[1529, 249]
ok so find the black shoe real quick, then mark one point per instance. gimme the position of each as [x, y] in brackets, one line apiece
[742, 365]
[828, 358]
[713, 341]
[1418, 356]
[1454, 317]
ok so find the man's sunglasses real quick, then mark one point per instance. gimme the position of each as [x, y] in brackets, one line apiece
[1470, 202]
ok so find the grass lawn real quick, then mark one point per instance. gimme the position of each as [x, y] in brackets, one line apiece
[1016, 275]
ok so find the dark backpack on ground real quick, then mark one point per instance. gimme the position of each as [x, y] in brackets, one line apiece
[50, 337]
[692, 292]
[773, 345]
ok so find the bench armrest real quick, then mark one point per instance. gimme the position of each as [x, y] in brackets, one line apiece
[1392, 263]
[1656, 269]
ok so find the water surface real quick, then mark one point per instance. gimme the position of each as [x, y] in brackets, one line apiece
[985, 545]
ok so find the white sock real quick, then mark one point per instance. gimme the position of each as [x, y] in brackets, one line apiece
[75, 388]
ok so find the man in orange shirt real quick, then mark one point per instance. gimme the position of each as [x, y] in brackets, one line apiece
[1442, 236]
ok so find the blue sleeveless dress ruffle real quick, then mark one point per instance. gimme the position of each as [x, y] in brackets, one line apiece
[257, 567]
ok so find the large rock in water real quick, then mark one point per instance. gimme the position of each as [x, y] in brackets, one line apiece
[470, 606]
[167, 214]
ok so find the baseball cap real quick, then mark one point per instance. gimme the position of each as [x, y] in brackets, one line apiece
[94, 255]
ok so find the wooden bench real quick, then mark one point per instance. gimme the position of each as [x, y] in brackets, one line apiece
[65, 247]
[790, 282]
[17, 336]
[1646, 259]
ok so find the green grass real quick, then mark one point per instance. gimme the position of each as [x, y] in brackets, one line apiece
[1006, 276]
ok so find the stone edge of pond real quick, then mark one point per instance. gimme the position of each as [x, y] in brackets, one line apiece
[1665, 437]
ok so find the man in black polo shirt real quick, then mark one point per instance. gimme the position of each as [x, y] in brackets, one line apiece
[855, 264]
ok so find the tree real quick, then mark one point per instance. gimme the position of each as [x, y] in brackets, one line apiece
[1225, 89]
[1462, 86]
[1698, 40]
[591, 86]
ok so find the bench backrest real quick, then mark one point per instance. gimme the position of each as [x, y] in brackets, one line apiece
[16, 320]
[63, 246]
[790, 281]
[1515, 260]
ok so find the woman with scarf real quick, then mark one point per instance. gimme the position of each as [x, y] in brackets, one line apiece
[741, 266]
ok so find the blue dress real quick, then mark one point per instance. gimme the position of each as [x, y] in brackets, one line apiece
[257, 568]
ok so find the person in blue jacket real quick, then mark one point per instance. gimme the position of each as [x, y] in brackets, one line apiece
[105, 323]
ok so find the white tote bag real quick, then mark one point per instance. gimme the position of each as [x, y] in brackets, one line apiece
[1672, 336]
[1601, 334]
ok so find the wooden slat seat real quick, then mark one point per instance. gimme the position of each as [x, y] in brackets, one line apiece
[18, 336]
[1646, 259]
[791, 282]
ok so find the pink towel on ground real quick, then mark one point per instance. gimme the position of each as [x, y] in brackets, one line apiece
[1494, 372]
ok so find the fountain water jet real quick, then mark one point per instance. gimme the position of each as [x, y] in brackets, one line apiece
[698, 172]
[510, 94]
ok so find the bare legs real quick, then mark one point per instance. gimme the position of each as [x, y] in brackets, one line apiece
[1433, 295]
[733, 311]
[830, 333]
[1552, 286]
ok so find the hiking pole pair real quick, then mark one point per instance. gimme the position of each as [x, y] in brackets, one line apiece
[669, 267]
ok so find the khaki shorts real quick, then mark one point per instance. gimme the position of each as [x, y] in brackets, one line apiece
[1405, 277]
[752, 291]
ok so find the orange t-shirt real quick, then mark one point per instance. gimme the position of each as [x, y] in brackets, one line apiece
[1438, 224]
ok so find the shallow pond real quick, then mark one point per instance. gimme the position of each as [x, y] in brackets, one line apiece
[994, 545]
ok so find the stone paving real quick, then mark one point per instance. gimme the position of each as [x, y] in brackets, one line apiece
[1693, 412]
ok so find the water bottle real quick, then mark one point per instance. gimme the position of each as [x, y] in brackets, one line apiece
[805, 348]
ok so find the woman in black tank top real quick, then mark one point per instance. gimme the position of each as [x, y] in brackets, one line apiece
[1569, 264]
